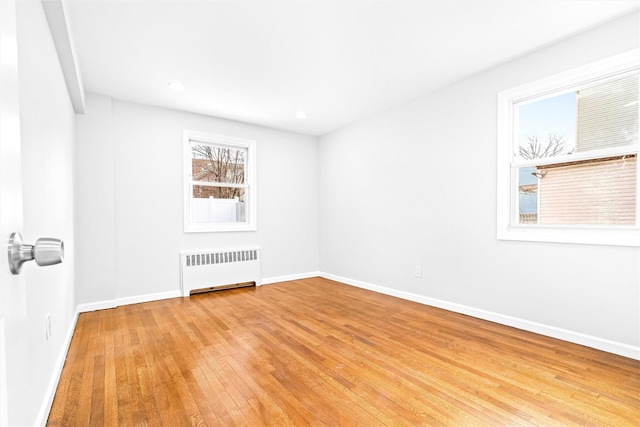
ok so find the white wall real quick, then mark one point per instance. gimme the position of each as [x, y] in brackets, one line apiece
[47, 129]
[139, 149]
[416, 185]
[95, 211]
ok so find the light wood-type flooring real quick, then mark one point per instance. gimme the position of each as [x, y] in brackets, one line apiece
[317, 352]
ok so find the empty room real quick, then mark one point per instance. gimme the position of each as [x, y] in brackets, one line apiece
[319, 212]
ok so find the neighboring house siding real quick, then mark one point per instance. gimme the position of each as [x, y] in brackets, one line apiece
[598, 192]
[607, 114]
[199, 170]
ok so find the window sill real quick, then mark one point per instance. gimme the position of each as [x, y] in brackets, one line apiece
[611, 236]
[219, 228]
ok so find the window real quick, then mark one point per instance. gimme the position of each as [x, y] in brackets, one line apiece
[219, 183]
[567, 156]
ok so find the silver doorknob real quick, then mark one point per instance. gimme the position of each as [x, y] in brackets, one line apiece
[46, 251]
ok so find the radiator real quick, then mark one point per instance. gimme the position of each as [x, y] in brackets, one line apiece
[210, 270]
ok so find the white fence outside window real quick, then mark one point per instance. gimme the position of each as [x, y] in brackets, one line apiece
[216, 210]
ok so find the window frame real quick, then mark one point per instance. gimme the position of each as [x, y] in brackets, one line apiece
[250, 223]
[507, 226]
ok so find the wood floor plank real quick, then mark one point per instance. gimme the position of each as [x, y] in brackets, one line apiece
[317, 352]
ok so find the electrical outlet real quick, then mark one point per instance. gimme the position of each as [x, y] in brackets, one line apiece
[418, 271]
[48, 327]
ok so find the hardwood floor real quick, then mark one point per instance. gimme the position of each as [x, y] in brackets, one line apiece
[316, 352]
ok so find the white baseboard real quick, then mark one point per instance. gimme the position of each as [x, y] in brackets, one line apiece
[100, 305]
[614, 347]
[103, 305]
[50, 393]
[289, 277]
[149, 297]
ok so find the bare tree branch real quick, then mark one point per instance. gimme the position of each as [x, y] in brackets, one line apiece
[224, 165]
[536, 148]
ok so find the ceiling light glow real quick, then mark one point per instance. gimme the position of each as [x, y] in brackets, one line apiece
[176, 86]
[301, 115]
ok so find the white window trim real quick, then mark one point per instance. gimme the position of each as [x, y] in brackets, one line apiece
[250, 180]
[507, 229]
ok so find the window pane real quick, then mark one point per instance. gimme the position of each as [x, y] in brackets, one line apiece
[211, 163]
[594, 192]
[597, 192]
[546, 128]
[600, 116]
[577, 132]
[527, 196]
[217, 204]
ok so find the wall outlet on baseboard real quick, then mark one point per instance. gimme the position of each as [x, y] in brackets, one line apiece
[418, 271]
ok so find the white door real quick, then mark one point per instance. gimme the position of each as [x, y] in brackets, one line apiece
[13, 345]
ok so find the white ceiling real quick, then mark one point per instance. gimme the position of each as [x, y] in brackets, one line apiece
[340, 61]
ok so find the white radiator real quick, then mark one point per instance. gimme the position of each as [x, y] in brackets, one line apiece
[208, 270]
